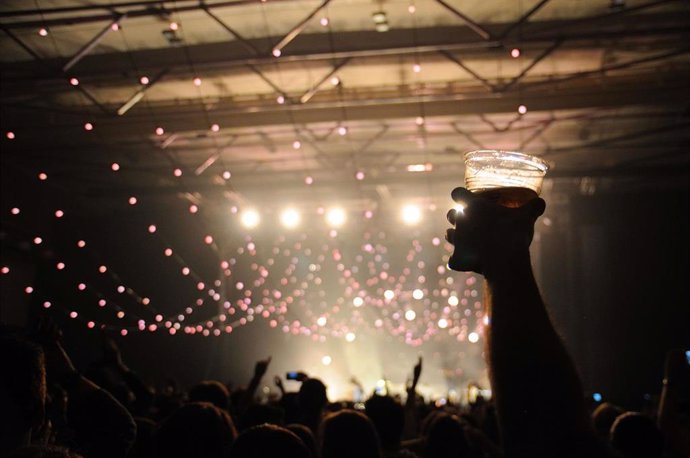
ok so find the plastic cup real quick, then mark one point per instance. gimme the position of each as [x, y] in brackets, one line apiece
[509, 178]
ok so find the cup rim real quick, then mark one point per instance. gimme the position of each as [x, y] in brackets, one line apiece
[537, 162]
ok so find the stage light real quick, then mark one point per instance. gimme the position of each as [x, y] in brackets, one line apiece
[73, 314]
[290, 218]
[326, 360]
[411, 9]
[10, 135]
[102, 269]
[227, 175]
[308, 180]
[74, 81]
[418, 294]
[410, 315]
[115, 27]
[5, 270]
[473, 337]
[416, 68]
[132, 200]
[342, 130]
[177, 172]
[460, 207]
[174, 26]
[159, 131]
[15, 211]
[335, 81]
[250, 218]
[197, 81]
[359, 175]
[323, 21]
[276, 52]
[115, 166]
[443, 323]
[43, 32]
[38, 240]
[389, 294]
[411, 214]
[522, 109]
[60, 266]
[453, 301]
[335, 217]
[357, 301]
[515, 53]
[144, 80]
[280, 99]
[88, 126]
[350, 336]
[597, 397]
[47, 304]
[81, 244]
[215, 127]
[208, 240]
[296, 144]
[419, 120]
[193, 209]
[42, 176]
[101, 303]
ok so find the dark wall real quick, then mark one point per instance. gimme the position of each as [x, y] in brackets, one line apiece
[617, 278]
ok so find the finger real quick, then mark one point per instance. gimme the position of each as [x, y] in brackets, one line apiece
[451, 215]
[461, 195]
[534, 208]
[450, 236]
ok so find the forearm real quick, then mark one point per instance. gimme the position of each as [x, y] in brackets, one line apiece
[535, 384]
[410, 411]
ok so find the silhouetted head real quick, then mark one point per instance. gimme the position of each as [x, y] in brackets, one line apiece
[635, 435]
[305, 435]
[348, 433]
[22, 391]
[198, 429]
[446, 438]
[42, 451]
[312, 395]
[269, 441]
[603, 417]
[259, 414]
[388, 418]
[210, 391]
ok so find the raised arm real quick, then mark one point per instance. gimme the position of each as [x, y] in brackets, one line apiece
[538, 396]
[411, 428]
[259, 371]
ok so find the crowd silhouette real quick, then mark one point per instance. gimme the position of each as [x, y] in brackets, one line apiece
[50, 409]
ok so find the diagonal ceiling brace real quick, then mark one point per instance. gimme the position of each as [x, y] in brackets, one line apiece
[296, 30]
[314, 89]
[476, 28]
[524, 18]
[137, 96]
[474, 74]
[213, 158]
[544, 54]
[93, 42]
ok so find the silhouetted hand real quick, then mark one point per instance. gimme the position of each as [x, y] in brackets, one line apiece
[487, 234]
[58, 364]
[279, 383]
[416, 373]
[261, 367]
[111, 352]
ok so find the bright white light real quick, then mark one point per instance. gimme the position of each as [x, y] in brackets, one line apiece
[473, 337]
[177, 172]
[350, 336]
[159, 131]
[280, 99]
[322, 320]
[326, 360]
[215, 127]
[115, 28]
[290, 218]
[296, 144]
[174, 26]
[250, 218]
[410, 315]
[308, 180]
[342, 130]
[335, 81]
[276, 53]
[324, 21]
[227, 175]
[357, 301]
[460, 207]
[144, 80]
[335, 217]
[43, 32]
[443, 323]
[418, 294]
[74, 81]
[515, 53]
[522, 109]
[115, 166]
[411, 9]
[10, 135]
[389, 294]
[416, 68]
[428, 167]
[197, 81]
[411, 214]
[419, 120]
[359, 175]
[453, 301]
[88, 126]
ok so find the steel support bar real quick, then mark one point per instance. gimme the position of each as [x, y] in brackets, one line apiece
[296, 30]
[315, 88]
[137, 96]
[476, 28]
[93, 43]
[475, 75]
[246, 43]
[524, 18]
[545, 53]
[213, 158]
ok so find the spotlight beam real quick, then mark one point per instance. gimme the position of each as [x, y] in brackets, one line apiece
[296, 30]
[93, 42]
